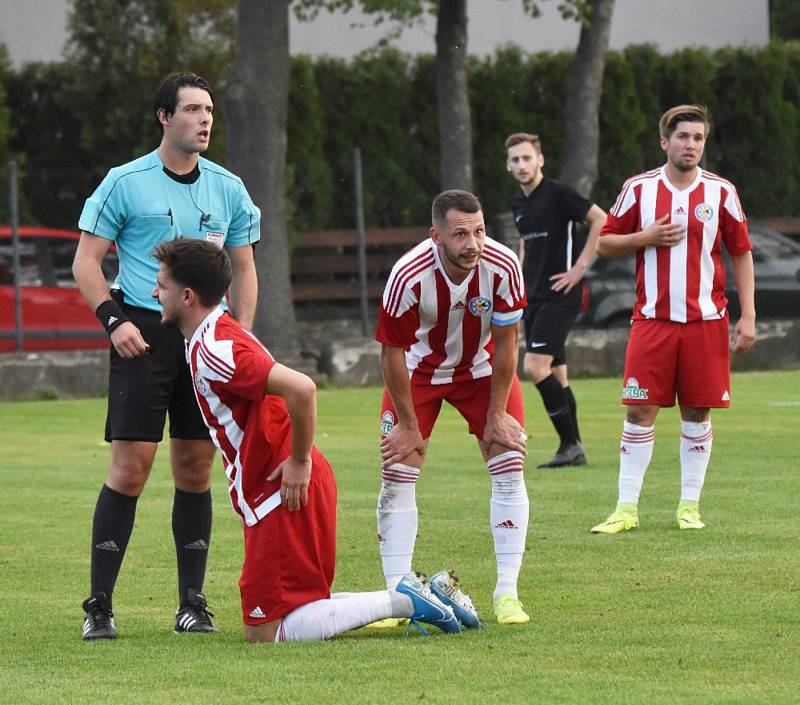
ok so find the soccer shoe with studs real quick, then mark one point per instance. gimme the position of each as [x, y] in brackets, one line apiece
[688, 515]
[447, 587]
[508, 610]
[571, 455]
[99, 621]
[624, 518]
[427, 607]
[194, 616]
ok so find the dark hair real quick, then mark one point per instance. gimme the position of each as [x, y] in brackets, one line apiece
[520, 137]
[167, 94]
[682, 113]
[453, 199]
[198, 265]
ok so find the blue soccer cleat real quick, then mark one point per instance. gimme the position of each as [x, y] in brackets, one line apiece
[447, 587]
[427, 607]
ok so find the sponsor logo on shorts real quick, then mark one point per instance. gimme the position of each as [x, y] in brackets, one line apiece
[479, 305]
[200, 383]
[387, 423]
[704, 212]
[632, 390]
[217, 238]
[726, 396]
[257, 613]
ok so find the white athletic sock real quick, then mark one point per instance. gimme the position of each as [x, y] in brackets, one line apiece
[508, 518]
[397, 521]
[696, 440]
[325, 619]
[635, 452]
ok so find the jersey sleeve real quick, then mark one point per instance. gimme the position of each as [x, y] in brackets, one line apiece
[733, 223]
[104, 212]
[572, 204]
[509, 295]
[623, 218]
[398, 315]
[245, 225]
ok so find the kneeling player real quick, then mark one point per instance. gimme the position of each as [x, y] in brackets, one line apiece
[261, 415]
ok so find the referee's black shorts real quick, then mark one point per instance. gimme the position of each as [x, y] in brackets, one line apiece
[548, 322]
[142, 390]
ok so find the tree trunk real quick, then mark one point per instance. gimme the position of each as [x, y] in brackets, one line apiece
[256, 107]
[455, 130]
[582, 134]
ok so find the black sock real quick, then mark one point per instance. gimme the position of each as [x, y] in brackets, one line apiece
[191, 527]
[111, 531]
[573, 409]
[555, 402]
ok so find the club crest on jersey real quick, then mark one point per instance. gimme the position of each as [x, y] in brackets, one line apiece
[387, 423]
[704, 212]
[479, 305]
[200, 383]
[632, 390]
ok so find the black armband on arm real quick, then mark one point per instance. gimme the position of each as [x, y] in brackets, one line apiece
[110, 315]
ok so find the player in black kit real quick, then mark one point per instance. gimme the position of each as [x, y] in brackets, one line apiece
[555, 257]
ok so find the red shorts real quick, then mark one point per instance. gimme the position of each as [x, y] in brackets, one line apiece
[289, 557]
[688, 360]
[470, 398]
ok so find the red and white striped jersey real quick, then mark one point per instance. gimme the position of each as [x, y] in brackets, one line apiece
[685, 282]
[229, 369]
[445, 328]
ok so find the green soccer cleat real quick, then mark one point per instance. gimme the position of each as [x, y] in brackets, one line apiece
[624, 518]
[508, 610]
[688, 515]
[388, 623]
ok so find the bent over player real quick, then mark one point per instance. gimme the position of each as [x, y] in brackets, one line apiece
[448, 329]
[261, 415]
[676, 219]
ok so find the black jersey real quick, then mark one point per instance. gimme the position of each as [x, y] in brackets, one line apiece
[546, 221]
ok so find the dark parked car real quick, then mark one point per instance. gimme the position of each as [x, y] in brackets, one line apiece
[54, 316]
[611, 283]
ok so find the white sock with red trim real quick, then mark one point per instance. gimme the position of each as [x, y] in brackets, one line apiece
[635, 453]
[324, 619]
[696, 440]
[508, 518]
[397, 521]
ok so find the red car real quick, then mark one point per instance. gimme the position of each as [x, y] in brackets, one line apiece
[54, 316]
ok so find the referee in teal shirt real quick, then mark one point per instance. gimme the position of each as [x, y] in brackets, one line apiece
[171, 192]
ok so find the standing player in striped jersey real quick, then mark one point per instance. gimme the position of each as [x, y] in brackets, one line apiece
[554, 261]
[448, 329]
[676, 218]
[261, 415]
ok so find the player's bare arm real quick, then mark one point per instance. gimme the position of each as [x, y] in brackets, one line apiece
[744, 332]
[300, 394]
[566, 281]
[502, 429]
[660, 233]
[88, 273]
[405, 440]
[244, 284]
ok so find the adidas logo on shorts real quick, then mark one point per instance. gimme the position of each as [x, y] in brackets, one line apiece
[257, 613]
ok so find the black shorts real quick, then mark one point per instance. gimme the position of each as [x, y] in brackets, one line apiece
[143, 389]
[548, 323]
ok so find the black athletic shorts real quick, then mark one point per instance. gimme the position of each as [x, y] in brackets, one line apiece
[548, 323]
[142, 390]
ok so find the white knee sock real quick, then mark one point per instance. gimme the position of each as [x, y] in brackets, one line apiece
[508, 517]
[325, 619]
[397, 521]
[635, 452]
[696, 440]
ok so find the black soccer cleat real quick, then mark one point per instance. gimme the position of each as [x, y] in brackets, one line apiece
[99, 622]
[193, 616]
[571, 455]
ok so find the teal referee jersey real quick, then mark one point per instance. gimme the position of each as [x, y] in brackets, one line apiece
[138, 205]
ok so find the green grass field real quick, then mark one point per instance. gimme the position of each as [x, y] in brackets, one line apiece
[652, 616]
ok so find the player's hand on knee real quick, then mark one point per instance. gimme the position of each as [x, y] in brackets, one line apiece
[506, 431]
[295, 476]
[128, 340]
[401, 442]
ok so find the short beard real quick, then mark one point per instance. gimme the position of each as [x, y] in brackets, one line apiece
[169, 323]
